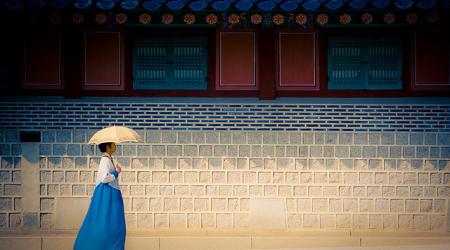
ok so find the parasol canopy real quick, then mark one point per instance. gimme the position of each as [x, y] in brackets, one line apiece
[116, 134]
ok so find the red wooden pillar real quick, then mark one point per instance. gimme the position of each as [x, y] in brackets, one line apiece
[72, 47]
[267, 64]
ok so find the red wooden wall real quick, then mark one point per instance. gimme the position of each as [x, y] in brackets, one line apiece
[237, 61]
[297, 61]
[42, 68]
[103, 61]
[431, 60]
[241, 63]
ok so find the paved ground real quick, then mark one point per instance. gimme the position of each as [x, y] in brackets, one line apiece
[421, 247]
[221, 241]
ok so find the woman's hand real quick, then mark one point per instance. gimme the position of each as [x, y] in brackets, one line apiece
[118, 168]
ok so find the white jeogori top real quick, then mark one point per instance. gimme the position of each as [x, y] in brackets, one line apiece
[105, 172]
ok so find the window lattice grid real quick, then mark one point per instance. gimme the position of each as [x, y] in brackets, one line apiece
[365, 62]
[384, 62]
[345, 63]
[170, 63]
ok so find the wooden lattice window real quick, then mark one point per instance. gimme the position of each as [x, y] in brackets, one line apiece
[170, 63]
[364, 62]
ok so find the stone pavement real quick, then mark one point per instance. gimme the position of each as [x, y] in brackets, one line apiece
[216, 240]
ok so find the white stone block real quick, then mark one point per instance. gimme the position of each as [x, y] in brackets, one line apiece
[70, 212]
[273, 216]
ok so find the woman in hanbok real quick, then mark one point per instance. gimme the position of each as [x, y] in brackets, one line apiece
[104, 227]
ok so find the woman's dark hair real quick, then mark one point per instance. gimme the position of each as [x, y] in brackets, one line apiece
[103, 146]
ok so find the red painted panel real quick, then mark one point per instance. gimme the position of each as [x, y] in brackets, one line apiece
[237, 61]
[432, 59]
[42, 60]
[296, 61]
[103, 61]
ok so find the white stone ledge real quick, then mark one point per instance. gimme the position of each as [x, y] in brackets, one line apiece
[237, 233]
[229, 240]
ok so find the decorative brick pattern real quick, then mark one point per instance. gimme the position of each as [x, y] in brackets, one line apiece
[357, 167]
[226, 117]
[11, 215]
[185, 190]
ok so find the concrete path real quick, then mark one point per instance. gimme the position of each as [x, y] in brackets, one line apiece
[421, 247]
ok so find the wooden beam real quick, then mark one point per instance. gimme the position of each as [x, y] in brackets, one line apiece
[72, 59]
[267, 73]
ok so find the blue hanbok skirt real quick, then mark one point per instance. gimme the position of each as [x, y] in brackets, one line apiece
[103, 227]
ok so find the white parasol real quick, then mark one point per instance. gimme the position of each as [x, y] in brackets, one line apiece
[116, 134]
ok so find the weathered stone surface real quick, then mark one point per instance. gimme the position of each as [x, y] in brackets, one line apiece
[15, 220]
[311, 221]
[343, 221]
[327, 221]
[178, 221]
[161, 221]
[145, 221]
[208, 220]
[47, 221]
[30, 220]
[47, 204]
[6, 204]
[294, 221]
[3, 220]
[224, 220]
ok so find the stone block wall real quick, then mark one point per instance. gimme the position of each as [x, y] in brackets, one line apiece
[375, 179]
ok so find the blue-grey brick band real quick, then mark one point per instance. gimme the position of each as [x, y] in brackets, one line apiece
[227, 117]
